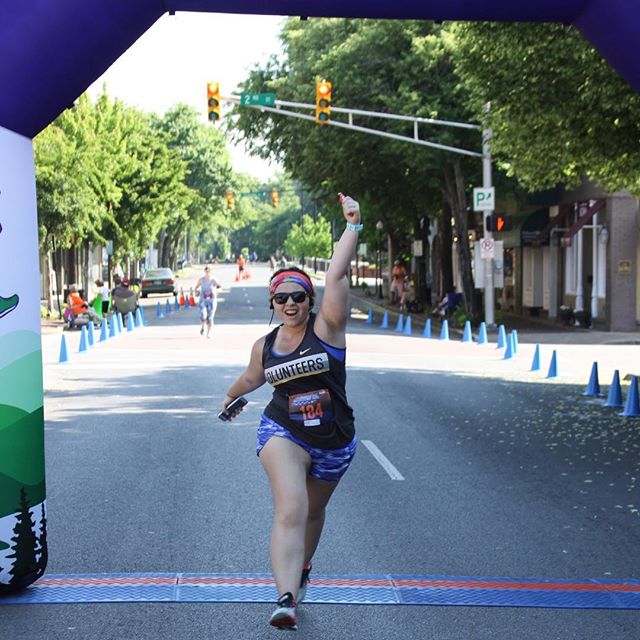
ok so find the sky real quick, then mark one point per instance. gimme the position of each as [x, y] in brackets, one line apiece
[173, 61]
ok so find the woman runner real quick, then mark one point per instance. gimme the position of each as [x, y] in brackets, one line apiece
[206, 288]
[306, 437]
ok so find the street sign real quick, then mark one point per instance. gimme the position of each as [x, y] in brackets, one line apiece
[417, 249]
[480, 265]
[484, 199]
[260, 99]
[487, 248]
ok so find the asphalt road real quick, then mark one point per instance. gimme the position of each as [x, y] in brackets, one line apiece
[504, 475]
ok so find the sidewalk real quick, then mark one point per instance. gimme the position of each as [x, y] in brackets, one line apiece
[530, 329]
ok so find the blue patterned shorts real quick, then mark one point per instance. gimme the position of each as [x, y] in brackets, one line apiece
[326, 464]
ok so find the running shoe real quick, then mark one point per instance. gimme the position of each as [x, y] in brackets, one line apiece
[284, 617]
[304, 582]
[202, 331]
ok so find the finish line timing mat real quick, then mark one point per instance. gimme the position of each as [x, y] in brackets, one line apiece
[373, 589]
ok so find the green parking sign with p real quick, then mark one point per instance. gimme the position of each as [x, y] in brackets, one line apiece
[484, 198]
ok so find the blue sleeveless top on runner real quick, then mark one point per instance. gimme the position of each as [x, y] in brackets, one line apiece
[309, 397]
[207, 289]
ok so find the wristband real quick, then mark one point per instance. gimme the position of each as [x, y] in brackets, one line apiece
[355, 227]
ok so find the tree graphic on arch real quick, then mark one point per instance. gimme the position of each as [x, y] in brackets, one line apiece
[24, 541]
[42, 543]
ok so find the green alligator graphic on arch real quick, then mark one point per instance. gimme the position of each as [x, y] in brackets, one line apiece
[7, 305]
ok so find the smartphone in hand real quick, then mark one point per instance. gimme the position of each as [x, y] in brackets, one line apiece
[232, 407]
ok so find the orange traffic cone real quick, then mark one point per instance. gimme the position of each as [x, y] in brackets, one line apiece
[181, 299]
[192, 301]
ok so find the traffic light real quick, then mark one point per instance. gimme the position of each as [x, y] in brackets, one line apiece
[323, 102]
[213, 101]
[499, 222]
[275, 198]
[230, 203]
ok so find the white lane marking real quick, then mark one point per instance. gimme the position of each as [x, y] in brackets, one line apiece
[385, 463]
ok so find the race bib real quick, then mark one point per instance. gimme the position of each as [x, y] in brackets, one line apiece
[311, 408]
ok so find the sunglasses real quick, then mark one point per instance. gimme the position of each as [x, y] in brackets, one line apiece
[297, 296]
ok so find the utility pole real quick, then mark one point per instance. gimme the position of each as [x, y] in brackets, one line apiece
[489, 293]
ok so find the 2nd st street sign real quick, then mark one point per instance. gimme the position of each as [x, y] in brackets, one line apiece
[260, 99]
[484, 199]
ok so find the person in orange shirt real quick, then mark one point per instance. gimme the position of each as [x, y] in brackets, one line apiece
[240, 262]
[78, 306]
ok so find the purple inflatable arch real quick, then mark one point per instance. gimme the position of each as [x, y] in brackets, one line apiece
[50, 52]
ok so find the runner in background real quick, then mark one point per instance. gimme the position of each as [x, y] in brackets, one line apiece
[206, 288]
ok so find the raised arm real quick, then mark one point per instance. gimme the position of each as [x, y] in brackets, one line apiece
[334, 310]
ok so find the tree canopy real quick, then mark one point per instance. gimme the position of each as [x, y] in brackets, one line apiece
[558, 110]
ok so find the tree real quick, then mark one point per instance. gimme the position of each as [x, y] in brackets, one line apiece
[208, 176]
[558, 110]
[25, 566]
[43, 546]
[309, 238]
[149, 175]
[388, 66]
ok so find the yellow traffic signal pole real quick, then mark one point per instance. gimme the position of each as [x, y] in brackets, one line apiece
[485, 156]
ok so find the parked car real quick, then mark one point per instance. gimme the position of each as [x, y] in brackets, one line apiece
[157, 281]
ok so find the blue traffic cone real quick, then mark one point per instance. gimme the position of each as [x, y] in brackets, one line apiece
[514, 333]
[444, 332]
[90, 336]
[385, 321]
[186, 302]
[137, 318]
[632, 406]
[167, 307]
[119, 326]
[112, 326]
[508, 352]
[83, 339]
[482, 334]
[64, 356]
[130, 321]
[466, 335]
[553, 366]
[535, 364]
[176, 304]
[143, 318]
[614, 399]
[400, 324]
[427, 329]
[370, 316]
[593, 388]
[407, 326]
[103, 330]
[502, 337]
[159, 313]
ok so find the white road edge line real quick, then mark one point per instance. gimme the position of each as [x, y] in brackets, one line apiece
[385, 463]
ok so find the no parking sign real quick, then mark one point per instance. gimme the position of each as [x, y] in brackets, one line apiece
[487, 248]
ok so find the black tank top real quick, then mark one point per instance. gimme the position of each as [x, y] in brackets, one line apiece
[309, 397]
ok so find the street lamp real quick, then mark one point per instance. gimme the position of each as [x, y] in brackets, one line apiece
[379, 228]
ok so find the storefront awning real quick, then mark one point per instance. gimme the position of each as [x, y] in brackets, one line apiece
[586, 211]
[532, 228]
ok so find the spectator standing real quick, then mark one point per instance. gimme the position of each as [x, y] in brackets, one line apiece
[398, 282]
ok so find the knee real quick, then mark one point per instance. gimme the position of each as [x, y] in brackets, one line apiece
[291, 515]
